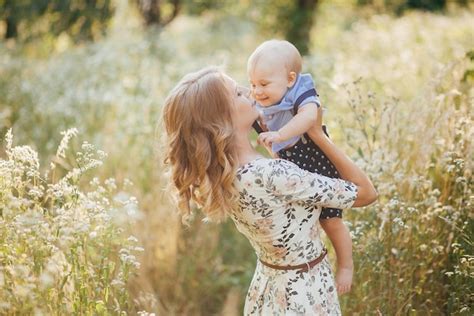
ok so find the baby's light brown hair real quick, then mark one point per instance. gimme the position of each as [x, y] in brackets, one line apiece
[277, 49]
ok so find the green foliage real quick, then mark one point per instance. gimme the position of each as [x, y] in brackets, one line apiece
[291, 20]
[202, 6]
[412, 124]
[399, 6]
[158, 13]
[81, 20]
[469, 74]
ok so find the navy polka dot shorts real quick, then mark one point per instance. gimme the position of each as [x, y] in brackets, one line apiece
[308, 156]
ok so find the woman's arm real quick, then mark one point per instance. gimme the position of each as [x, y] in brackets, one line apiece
[347, 169]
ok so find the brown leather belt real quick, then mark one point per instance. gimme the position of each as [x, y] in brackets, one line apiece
[302, 267]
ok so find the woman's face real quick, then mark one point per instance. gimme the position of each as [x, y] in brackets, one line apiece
[244, 112]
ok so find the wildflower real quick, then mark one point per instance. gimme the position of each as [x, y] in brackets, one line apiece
[110, 183]
[50, 239]
[67, 135]
[9, 141]
[132, 239]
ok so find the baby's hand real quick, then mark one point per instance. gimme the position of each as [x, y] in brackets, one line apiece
[268, 138]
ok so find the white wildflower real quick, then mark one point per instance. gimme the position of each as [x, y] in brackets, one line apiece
[101, 154]
[412, 209]
[117, 282]
[122, 197]
[110, 183]
[127, 182]
[46, 280]
[398, 221]
[132, 239]
[67, 135]
[9, 141]
[95, 182]
[25, 155]
[36, 192]
[86, 146]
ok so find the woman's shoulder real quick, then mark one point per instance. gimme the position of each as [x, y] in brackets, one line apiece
[260, 162]
[265, 167]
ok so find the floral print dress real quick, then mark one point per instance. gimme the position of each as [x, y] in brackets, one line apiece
[278, 211]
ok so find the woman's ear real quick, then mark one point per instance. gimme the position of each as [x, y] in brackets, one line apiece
[291, 79]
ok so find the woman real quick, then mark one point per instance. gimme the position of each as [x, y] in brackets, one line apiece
[276, 205]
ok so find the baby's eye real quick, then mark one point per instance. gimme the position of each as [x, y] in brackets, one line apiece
[264, 84]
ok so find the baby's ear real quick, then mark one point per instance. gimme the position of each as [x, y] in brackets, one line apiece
[291, 79]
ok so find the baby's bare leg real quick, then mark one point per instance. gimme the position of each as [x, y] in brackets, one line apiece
[342, 243]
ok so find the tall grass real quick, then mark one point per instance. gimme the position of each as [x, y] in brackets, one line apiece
[407, 120]
[62, 250]
[414, 248]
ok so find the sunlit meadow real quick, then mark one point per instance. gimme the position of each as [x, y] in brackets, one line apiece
[399, 98]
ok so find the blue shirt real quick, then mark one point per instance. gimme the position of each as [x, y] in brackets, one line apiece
[278, 115]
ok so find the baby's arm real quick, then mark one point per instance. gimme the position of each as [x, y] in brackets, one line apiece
[305, 119]
[298, 125]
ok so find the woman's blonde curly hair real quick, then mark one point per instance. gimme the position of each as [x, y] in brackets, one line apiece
[199, 145]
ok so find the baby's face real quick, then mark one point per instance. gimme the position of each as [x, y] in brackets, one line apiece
[269, 82]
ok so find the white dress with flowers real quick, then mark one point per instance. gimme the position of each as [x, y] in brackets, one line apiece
[279, 207]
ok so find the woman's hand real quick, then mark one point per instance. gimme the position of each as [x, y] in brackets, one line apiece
[261, 121]
[347, 169]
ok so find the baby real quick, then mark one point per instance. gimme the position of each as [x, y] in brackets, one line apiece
[289, 106]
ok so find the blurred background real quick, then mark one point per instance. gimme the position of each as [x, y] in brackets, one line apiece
[396, 77]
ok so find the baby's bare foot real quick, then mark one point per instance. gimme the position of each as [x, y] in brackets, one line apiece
[344, 279]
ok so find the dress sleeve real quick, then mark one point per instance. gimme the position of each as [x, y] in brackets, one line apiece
[293, 184]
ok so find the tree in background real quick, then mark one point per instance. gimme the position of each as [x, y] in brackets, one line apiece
[88, 19]
[400, 6]
[301, 19]
[15, 12]
[80, 19]
[157, 12]
[291, 19]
